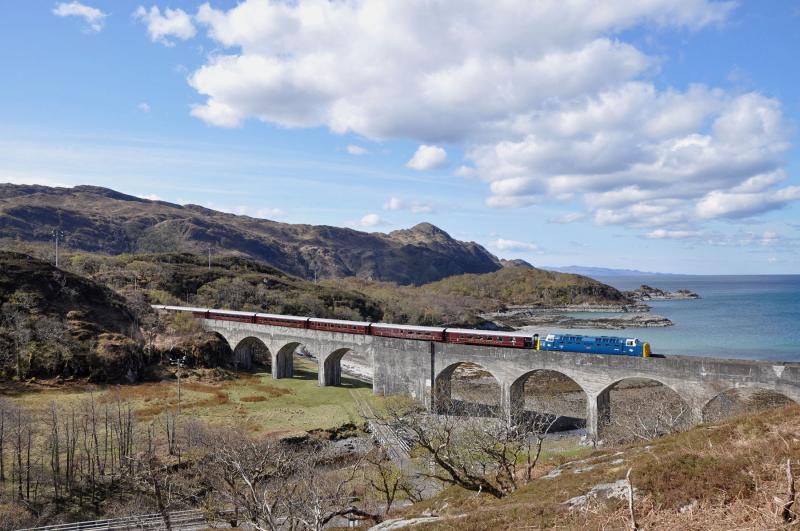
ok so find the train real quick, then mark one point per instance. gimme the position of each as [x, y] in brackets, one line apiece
[615, 346]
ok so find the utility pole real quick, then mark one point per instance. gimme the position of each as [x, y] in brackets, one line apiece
[57, 234]
[179, 363]
[209, 258]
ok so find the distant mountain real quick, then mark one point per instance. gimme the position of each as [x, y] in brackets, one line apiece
[517, 262]
[97, 219]
[603, 271]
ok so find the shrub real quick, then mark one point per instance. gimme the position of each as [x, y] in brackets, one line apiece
[677, 480]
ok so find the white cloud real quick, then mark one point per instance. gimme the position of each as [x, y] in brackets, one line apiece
[394, 203]
[269, 213]
[569, 217]
[422, 208]
[174, 23]
[604, 148]
[34, 177]
[371, 220]
[661, 234]
[769, 238]
[93, 17]
[244, 210]
[416, 207]
[407, 69]
[151, 197]
[548, 100]
[356, 150]
[514, 246]
[428, 158]
[721, 204]
[144, 107]
[755, 240]
[465, 171]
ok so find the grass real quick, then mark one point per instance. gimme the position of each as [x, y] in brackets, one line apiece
[253, 401]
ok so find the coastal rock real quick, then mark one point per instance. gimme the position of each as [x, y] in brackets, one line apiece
[649, 293]
[557, 319]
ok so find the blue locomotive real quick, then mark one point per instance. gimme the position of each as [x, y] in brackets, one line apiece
[619, 346]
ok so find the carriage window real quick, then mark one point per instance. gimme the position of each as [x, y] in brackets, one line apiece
[630, 342]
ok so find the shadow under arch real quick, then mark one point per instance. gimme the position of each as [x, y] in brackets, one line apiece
[332, 371]
[250, 351]
[640, 409]
[549, 395]
[742, 400]
[466, 388]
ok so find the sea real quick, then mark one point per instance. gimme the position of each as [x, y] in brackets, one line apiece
[743, 316]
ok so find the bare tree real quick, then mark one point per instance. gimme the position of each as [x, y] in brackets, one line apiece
[324, 494]
[479, 454]
[17, 322]
[645, 420]
[5, 406]
[155, 476]
[252, 477]
[386, 478]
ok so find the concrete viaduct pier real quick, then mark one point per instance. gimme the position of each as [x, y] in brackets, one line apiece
[422, 369]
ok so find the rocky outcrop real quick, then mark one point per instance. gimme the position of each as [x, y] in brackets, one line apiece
[556, 319]
[649, 293]
[55, 323]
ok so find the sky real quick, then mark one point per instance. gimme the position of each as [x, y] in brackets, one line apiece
[659, 135]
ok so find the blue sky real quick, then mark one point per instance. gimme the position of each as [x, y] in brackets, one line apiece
[653, 135]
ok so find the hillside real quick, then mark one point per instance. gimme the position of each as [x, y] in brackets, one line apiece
[723, 476]
[460, 299]
[232, 282]
[60, 323]
[529, 286]
[97, 219]
[243, 283]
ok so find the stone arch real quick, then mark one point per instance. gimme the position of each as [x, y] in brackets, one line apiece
[283, 364]
[741, 400]
[640, 408]
[331, 370]
[545, 394]
[247, 350]
[466, 388]
[331, 373]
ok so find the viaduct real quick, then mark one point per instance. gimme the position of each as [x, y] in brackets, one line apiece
[423, 369]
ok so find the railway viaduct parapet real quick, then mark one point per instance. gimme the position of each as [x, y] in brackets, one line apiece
[422, 369]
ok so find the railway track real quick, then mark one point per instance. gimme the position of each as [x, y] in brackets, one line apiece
[397, 448]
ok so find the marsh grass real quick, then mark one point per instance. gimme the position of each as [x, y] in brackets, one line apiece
[252, 401]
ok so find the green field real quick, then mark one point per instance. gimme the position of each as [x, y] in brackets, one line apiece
[252, 401]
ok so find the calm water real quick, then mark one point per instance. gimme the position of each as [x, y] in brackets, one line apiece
[755, 317]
